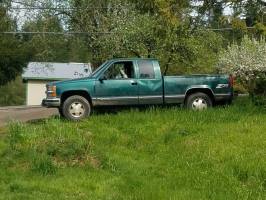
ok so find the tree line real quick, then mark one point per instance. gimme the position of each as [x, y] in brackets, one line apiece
[185, 35]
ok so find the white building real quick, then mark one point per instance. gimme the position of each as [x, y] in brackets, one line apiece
[38, 74]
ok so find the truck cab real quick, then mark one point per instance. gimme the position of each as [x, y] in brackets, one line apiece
[135, 81]
[129, 82]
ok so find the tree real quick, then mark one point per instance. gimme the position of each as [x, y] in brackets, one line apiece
[118, 28]
[165, 31]
[12, 54]
[158, 29]
[247, 61]
[43, 47]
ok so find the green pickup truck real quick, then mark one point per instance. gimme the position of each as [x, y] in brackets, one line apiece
[136, 81]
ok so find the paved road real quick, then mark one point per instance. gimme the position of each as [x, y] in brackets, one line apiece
[24, 114]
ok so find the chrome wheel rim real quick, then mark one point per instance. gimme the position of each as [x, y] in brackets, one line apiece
[199, 104]
[76, 109]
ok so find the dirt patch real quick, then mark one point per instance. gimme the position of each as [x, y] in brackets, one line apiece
[24, 114]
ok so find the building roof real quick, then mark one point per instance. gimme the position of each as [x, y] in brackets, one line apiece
[56, 71]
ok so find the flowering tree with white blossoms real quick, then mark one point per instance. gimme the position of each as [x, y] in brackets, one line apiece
[247, 62]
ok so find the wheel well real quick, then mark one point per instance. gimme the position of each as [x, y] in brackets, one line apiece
[82, 93]
[202, 90]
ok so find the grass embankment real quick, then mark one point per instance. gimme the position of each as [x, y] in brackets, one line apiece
[162, 153]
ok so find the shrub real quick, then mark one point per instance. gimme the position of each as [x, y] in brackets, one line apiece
[14, 93]
[247, 62]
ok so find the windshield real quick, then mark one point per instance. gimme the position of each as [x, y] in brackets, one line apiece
[98, 69]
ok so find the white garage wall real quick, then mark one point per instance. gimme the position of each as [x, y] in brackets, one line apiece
[35, 92]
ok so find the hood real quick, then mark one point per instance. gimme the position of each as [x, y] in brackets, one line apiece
[70, 81]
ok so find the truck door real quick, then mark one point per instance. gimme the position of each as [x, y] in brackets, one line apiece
[150, 86]
[117, 85]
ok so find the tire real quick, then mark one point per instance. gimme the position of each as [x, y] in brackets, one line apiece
[198, 101]
[76, 108]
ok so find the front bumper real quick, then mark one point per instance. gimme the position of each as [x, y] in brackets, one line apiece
[51, 102]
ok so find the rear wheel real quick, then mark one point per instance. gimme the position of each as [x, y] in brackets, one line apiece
[76, 108]
[198, 101]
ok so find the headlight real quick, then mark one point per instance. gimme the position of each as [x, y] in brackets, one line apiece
[51, 91]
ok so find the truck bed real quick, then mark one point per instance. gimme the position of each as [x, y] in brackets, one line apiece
[176, 87]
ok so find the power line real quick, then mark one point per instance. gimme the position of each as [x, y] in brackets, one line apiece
[90, 33]
[52, 33]
[29, 7]
[58, 8]
[69, 8]
[76, 8]
[221, 29]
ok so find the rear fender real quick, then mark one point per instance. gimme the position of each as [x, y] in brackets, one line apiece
[200, 88]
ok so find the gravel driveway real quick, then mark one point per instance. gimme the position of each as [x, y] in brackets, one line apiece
[24, 114]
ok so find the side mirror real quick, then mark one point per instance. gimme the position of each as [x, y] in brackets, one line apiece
[102, 78]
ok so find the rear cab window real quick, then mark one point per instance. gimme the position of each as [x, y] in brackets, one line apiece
[146, 69]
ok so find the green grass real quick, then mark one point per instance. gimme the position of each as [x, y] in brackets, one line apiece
[157, 153]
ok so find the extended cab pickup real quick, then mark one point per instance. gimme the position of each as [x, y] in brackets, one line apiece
[136, 82]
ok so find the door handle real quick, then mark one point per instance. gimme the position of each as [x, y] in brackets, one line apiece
[134, 83]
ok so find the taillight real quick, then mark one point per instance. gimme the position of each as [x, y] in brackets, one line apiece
[231, 80]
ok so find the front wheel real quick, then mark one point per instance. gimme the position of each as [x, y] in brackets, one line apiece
[198, 101]
[76, 108]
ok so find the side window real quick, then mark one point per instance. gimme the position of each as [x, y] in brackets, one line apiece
[120, 70]
[146, 69]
